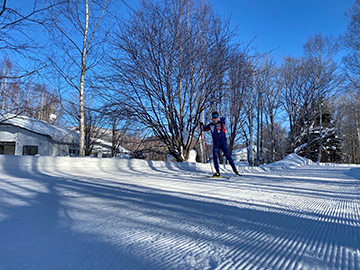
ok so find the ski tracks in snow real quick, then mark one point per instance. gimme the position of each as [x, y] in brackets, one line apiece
[304, 218]
[130, 215]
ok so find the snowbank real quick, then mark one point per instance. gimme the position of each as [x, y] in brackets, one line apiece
[292, 160]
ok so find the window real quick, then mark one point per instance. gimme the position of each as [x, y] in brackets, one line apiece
[73, 152]
[7, 148]
[29, 150]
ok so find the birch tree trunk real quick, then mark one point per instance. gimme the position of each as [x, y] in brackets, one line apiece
[320, 131]
[358, 136]
[272, 132]
[73, 23]
[82, 80]
[258, 135]
[250, 151]
[3, 90]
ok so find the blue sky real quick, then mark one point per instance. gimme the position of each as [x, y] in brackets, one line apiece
[284, 25]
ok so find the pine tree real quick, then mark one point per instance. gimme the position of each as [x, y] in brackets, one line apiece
[308, 142]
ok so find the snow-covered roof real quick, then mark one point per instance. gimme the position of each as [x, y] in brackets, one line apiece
[242, 153]
[103, 142]
[56, 133]
[109, 144]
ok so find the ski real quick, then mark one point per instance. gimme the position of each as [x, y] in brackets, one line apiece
[222, 177]
[225, 176]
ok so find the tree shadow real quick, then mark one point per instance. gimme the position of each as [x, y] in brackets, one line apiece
[36, 227]
[354, 172]
[82, 222]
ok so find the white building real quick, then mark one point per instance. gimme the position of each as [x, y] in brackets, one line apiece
[103, 148]
[21, 135]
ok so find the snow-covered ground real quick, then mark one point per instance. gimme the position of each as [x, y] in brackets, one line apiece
[88, 213]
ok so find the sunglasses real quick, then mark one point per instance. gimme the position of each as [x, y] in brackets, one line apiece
[215, 116]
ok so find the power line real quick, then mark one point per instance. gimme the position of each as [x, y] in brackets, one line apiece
[128, 6]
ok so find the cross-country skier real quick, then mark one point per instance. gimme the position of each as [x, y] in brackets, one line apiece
[217, 128]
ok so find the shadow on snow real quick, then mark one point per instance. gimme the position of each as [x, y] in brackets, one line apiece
[77, 223]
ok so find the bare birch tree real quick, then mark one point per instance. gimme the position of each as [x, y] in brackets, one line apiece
[270, 97]
[76, 32]
[236, 104]
[7, 71]
[297, 96]
[263, 87]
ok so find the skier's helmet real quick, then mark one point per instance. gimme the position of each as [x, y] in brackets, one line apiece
[215, 115]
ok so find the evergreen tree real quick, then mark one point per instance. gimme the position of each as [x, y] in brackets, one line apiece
[308, 143]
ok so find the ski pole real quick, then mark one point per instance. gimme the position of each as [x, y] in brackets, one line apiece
[206, 146]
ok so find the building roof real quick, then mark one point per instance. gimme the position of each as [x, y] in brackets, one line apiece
[56, 133]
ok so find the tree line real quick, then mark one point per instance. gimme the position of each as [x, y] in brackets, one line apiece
[156, 73]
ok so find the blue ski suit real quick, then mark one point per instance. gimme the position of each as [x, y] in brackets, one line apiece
[218, 133]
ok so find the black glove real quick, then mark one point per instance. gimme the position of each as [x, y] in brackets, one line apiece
[201, 124]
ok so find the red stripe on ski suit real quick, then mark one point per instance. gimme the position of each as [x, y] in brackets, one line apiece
[218, 138]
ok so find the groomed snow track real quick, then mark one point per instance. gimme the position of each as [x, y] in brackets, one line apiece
[68, 213]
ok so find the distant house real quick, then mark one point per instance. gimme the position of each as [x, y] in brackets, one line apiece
[242, 155]
[102, 148]
[21, 135]
[100, 145]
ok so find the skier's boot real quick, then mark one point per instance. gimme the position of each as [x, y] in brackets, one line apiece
[216, 175]
[237, 173]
